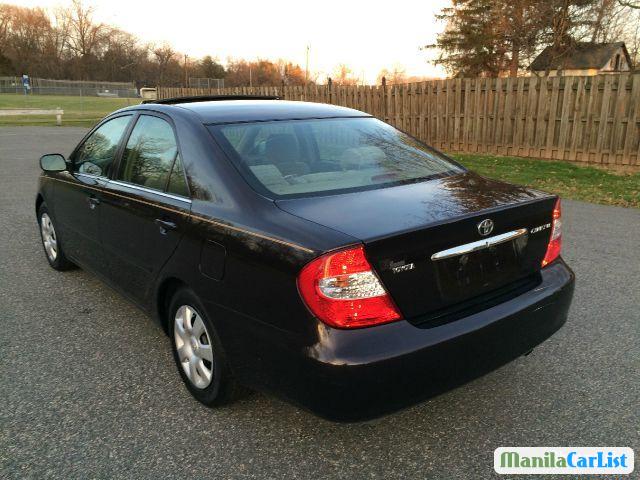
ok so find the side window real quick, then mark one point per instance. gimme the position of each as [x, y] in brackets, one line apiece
[97, 153]
[150, 153]
[177, 183]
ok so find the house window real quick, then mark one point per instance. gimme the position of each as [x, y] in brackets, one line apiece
[616, 66]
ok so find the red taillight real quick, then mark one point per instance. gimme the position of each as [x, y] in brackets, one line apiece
[342, 290]
[555, 242]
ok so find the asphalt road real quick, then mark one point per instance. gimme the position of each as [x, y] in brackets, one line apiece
[88, 387]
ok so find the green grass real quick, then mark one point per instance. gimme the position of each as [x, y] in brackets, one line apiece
[563, 178]
[78, 111]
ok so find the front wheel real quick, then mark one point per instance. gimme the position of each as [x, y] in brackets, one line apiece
[51, 242]
[198, 352]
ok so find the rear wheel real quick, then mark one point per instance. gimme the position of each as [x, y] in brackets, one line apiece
[50, 241]
[198, 352]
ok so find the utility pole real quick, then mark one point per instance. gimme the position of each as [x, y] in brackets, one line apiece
[306, 68]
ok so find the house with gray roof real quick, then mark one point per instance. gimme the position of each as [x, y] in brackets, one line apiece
[583, 59]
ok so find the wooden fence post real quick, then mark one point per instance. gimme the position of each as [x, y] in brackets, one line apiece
[384, 99]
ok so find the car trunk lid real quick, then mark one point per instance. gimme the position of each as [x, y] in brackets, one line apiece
[424, 241]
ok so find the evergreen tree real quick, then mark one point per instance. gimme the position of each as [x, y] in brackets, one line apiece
[210, 68]
[486, 37]
[468, 46]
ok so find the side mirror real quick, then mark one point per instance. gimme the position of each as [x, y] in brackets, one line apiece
[53, 162]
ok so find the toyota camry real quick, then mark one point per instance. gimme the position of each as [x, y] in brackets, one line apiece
[307, 250]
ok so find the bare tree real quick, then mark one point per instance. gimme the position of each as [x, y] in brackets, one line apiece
[57, 43]
[632, 39]
[164, 54]
[343, 75]
[26, 30]
[394, 76]
[85, 36]
[629, 3]
[609, 21]
[522, 25]
[5, 18]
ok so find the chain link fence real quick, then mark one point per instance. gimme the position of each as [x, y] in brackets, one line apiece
[43, 86]
[195, 82]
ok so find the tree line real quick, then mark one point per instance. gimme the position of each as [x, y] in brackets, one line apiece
[68, 43]
[480, 38]
[492, 37]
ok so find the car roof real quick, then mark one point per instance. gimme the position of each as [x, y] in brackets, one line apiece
[233, 111]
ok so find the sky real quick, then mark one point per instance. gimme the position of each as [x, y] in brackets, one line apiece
[365, 35]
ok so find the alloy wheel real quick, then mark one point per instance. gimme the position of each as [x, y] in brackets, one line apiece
[49, 238]
[193, 345]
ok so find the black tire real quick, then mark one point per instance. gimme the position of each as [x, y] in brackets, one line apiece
[223, 388]
[59, 261]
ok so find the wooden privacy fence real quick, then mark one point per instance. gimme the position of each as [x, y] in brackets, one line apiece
[594, 120]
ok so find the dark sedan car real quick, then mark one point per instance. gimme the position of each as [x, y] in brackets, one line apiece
[307, 250]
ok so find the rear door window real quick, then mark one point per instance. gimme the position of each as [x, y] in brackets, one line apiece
[150, 154]
[177, 183]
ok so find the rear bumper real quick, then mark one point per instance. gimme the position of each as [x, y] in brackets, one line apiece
[350, 375]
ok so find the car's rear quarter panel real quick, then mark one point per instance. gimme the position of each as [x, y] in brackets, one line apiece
[254, 304]
[253, 299]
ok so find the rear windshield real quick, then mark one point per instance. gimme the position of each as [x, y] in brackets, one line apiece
[303, 157]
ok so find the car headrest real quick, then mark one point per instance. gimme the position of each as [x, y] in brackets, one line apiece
[282, 148]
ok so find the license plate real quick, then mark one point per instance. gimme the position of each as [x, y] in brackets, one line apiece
[477, 272]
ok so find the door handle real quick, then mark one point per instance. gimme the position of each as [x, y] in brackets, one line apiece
[93, 201]
[165, 225]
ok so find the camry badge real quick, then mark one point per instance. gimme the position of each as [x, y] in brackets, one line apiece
[401, 266]
[540, 228]
[485, 227]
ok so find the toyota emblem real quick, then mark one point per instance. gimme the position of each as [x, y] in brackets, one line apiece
[485, 227]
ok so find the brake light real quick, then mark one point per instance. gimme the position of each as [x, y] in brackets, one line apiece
[555, 242]
[343, 291]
